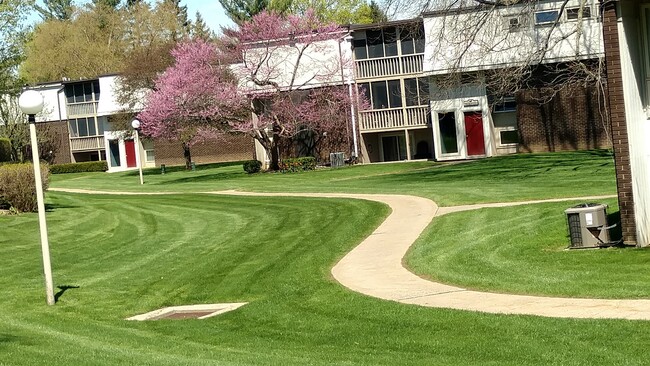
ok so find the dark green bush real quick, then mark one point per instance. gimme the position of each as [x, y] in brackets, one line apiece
[5, 150]
[252, 166]
[90, 166]
[298, 164]
[17, 186]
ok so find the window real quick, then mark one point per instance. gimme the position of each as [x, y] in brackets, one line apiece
[383, 94]
[375, 43]
[417, 91]
[82, 127]
[360, 51]
[574, 13]
[379, 95]
[509, 137]
[547, 17]
[384, 42]
[82, 92]
[448, 137]
[390, 41]
[394, 93]
[506, 105]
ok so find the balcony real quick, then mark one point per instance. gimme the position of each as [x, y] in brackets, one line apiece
[82, 109]
[389, 66]
[386, 119]
[86, 143]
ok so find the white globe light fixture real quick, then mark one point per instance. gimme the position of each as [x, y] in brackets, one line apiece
[136, 126]
[31, 103]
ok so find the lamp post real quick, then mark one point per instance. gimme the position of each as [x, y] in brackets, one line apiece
[31, 103]
[136, 126]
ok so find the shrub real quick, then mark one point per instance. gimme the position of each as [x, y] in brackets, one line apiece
[5, 150]
[90, 166]
[17, 188]
[298, 164]
[252, 166]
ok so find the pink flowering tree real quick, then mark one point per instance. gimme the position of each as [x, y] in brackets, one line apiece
[292, 69]
[284, 82]
[194, 99]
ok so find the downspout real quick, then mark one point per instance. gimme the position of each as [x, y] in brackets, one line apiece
[350, 81]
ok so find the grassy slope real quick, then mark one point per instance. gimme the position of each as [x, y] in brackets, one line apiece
[157, 251]
[509, 178]
[523, 250]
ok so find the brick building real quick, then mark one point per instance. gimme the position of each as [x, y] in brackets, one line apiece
[626, 26]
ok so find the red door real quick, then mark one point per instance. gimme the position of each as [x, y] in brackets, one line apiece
[130, 153]
[474, 133]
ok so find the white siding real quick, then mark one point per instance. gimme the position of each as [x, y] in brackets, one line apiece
[324, 63]
[482, 40]
[638, 124]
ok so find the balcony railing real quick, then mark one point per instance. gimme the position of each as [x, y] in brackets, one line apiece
[86, 143]
[82, 109]
[389, 66]
[385, 119]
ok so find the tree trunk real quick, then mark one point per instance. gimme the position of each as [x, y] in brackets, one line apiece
[188, 156]
[275, 154]
[275, 149]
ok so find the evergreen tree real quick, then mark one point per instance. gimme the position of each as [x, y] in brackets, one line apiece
[181, 12]
[111, 4]
[376, 13]
[55, 9]
[199, 29]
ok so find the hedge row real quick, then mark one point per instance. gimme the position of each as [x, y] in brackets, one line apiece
[298, 164]
[90, 166]
[17, 186]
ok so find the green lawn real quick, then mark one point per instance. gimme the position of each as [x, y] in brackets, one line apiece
[134, 254]
[511, 178]
[129, 255]
[522, 250]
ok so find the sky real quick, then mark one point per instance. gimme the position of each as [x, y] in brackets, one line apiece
[211, 11]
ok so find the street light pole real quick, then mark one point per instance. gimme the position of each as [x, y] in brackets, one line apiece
[31, 102]
[136, 126]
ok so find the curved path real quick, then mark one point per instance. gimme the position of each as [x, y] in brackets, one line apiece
[375, 267]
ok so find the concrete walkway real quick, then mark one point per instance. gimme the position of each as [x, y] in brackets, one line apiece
[375, 268]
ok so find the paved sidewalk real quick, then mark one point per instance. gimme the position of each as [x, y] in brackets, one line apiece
[375, 268]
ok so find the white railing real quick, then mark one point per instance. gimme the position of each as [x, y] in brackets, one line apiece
[418, 116]
[81, 109]
[86, 143]
[397, 65]
[394, 118]
[412, 64]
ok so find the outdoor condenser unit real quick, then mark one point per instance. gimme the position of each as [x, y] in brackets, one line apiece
[588, 225]
[337, 160]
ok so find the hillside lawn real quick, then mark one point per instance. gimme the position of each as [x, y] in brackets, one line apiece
[124, 255]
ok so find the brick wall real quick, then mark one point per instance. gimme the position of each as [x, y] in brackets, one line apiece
[570, 120]
[53, 136]
[231, 148]
[618, 122]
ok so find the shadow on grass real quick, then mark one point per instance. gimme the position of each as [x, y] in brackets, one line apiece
[62, 290]
[203, 178]
[8, 338]
[181, 168]
[51, 207]
[512, 167]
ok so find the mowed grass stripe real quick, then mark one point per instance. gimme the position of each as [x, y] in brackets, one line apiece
[523, 250]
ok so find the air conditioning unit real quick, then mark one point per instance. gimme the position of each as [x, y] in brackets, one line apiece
[588, 225]
[337, 160]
